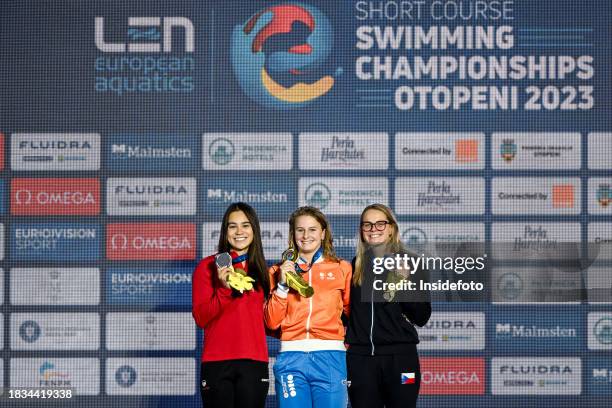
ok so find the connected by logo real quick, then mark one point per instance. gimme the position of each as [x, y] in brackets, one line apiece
[125, 376]
[148, 62]
[318, 195]
[603, 331]
[51, 377]
[221, 151]
[604, 195]
[278, 55]
[507, 150]
[29, 331]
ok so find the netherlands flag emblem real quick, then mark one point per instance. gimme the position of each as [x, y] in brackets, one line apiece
[408, 378]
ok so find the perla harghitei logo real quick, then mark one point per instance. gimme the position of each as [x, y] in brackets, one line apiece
[278, 55]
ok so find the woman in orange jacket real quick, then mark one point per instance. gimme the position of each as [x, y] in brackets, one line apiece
[310, 370]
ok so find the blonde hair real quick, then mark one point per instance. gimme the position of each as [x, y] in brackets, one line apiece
[394, 243]
[327, 244]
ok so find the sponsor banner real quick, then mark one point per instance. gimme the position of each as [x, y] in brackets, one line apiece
[55, 196]
[1, 287]
[536, 376]
[151, 241]
[453, 331]
[55, 331]
[527, 285]
[3, 199]
[151, 196]
[600, 145]
[269, 197]
[535, 195]
[1, 334]
[424, 233]
[440, 195]
[600, 196]
[600, 330]
[599, 285]
[440, 151]
[151, 153]
[55, 242]
[452, 376]
[343, 151]
[149, 287]
[55, 286]
[535, 240]
[345, 232]
[542, 151]
[150, 331]
[247, 151]
[600, 241]
[151, 376]
[81, 375]
[55, 151]
[342, 195]
[532, 331]
[1, 168]
[1, 242]
[274, 238]
[600, 376]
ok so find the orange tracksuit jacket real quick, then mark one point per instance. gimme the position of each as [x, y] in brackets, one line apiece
[317, 317]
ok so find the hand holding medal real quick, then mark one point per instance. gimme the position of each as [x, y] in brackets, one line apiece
[236, 278]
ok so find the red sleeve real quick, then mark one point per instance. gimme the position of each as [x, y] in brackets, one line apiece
[206, 305]
[347, 271]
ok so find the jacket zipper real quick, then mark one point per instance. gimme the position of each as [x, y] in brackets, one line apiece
[372, 321]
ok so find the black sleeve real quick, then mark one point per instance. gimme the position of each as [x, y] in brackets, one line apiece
[417, 312]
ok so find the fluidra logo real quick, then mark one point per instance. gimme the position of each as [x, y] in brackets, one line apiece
[147, 61]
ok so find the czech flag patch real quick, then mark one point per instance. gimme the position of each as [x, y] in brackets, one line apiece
[408, 378]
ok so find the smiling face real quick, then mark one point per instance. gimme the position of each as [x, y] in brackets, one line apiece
[308, 234]
[374, 236]
[239, 232]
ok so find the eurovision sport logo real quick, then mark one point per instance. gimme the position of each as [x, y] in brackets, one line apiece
[279, 55]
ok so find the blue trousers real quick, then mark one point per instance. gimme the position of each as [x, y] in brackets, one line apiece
[314, 379]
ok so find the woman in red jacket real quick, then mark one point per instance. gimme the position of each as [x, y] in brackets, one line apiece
[235, 355]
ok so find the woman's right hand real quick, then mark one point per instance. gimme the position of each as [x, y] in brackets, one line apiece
[287, 266]
[223, 274]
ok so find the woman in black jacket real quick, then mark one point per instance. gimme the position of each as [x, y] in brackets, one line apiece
[382, 360]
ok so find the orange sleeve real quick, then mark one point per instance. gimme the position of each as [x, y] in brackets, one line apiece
[347, 271]
[276, 307]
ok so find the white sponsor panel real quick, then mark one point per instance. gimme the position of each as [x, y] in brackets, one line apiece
[247, 151]
[55, 286]
[535, 195]
[536, 376]
[274, 238]
[151, 196]
[150, 331]
[1, 336]
[342, 195]
[1, 287]
[439, 195]
[343, 151]
[535, 285]
[151, 376]
[82, 375]
[55, 151]
[55, 331]
[2, 376]
[441, 232]
[600, 146]
[440, 151]
[600, 241]
[599, 285]
[453, 331]
[600, 196]
[271, 378]
[535, 240]
[1, 242]
[545, 151]
[600, 331]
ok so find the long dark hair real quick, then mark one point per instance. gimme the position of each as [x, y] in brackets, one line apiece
[257, 262]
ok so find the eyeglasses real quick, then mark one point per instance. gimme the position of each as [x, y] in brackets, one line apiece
[380, 225]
